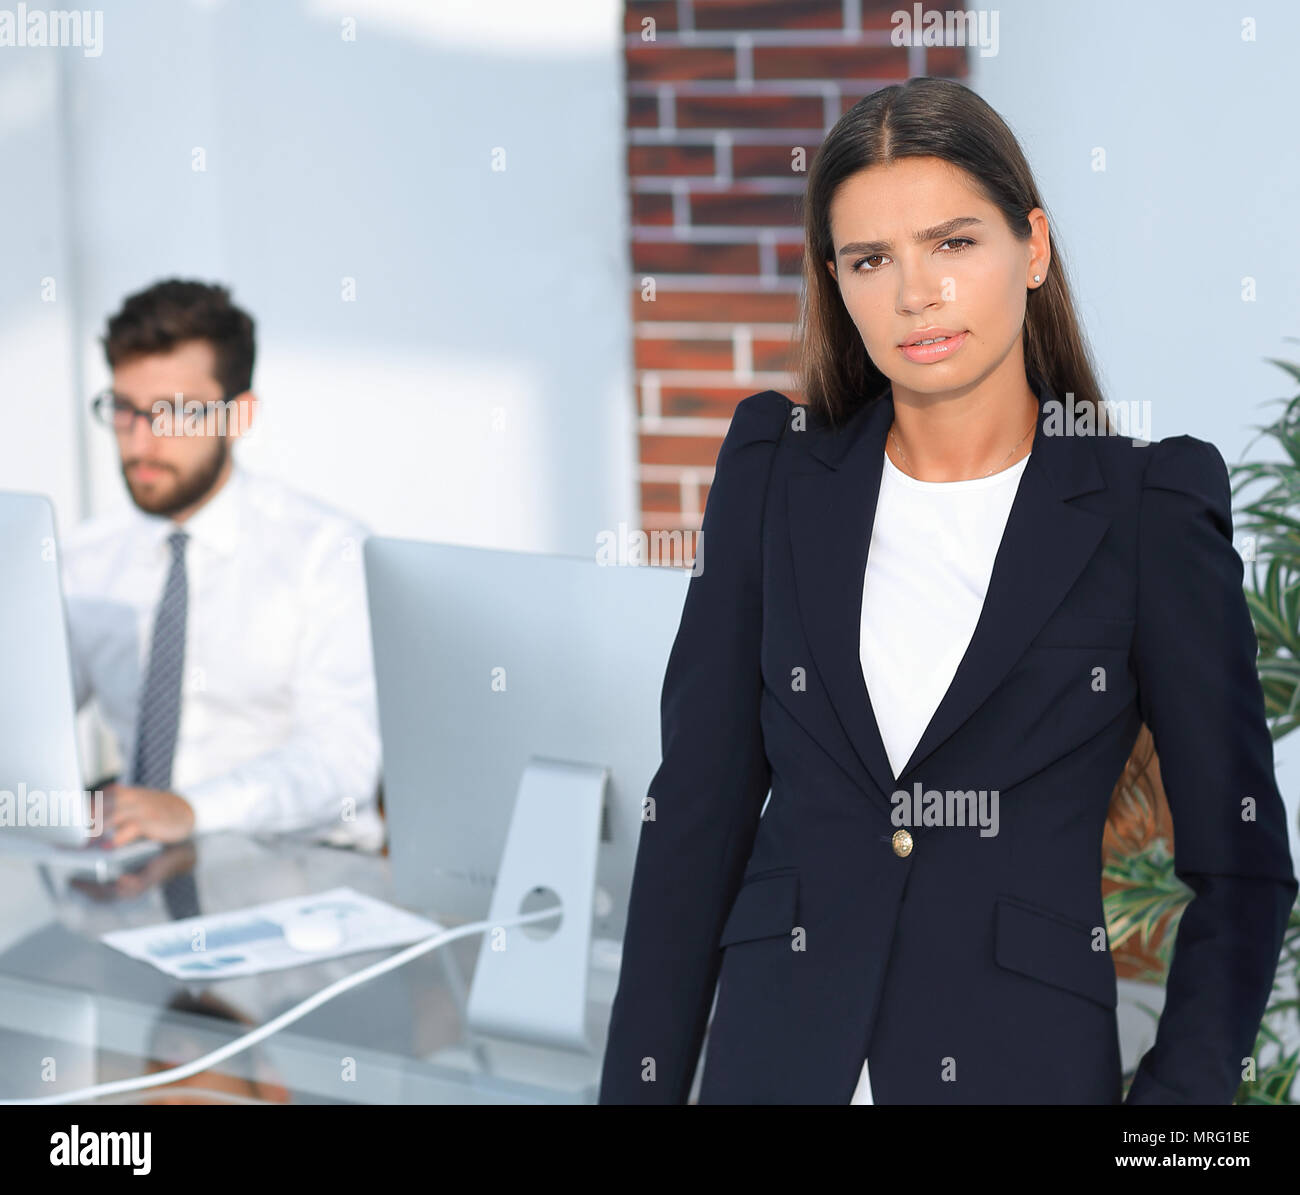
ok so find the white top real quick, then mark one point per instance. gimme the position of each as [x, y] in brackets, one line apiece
[279, 727]
[932, 549]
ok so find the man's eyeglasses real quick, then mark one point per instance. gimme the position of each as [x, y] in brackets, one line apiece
[167, 417]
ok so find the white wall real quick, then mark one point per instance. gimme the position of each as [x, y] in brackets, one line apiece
[478, 389]
[38, 368]
[1200, 191]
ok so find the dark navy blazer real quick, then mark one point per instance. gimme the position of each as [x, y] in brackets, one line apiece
[975, 968]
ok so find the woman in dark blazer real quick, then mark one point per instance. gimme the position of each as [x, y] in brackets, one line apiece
[836, 925]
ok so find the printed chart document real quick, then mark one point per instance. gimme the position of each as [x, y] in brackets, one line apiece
[252, 940]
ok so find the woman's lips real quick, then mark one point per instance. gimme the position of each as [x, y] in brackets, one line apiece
[923, 354]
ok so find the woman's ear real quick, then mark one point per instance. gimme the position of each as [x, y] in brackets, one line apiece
[830, 265]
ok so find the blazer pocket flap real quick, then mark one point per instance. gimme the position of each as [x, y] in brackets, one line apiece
[764, 907]
[1073, 630]
[1053, 949]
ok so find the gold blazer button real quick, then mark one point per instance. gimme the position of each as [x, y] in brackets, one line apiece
[902, 843]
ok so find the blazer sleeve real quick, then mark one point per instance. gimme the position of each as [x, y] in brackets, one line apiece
[704, 801]
[1199, 693]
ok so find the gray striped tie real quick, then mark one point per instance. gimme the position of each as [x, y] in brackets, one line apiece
[160, 699]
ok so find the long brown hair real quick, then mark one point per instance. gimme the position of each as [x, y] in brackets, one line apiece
[939, 118]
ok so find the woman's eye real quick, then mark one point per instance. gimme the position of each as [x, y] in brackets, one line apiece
[961, 243]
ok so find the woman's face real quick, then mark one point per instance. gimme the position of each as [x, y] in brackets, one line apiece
[966, 275]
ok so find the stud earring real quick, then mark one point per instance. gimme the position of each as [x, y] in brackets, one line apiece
[1038, 277]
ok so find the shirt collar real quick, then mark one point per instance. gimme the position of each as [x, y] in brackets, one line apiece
[215, 524]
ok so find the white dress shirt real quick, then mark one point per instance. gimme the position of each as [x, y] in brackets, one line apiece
[933, 544]
[279, 726]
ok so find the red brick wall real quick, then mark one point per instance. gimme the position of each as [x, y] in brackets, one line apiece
[721, 94]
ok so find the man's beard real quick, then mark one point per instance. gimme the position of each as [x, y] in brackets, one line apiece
[189, 489]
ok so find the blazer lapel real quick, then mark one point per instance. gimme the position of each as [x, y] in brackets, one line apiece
[1043, 550]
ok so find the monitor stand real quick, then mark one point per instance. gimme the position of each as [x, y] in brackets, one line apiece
[530, 982]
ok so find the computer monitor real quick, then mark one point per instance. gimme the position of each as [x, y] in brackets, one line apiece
[38, 742]
[486, 659]
[44, 809]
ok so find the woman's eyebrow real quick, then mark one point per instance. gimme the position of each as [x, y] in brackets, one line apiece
[946, 229]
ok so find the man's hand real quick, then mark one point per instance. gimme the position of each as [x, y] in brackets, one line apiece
[133, 813]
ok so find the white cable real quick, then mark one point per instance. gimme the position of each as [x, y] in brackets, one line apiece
[274, 1025]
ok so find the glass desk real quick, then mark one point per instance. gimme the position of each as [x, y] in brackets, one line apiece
[73, 1011]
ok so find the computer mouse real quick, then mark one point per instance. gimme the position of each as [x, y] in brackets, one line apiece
[313, 933]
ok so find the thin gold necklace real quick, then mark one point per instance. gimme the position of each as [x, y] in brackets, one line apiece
[990, 473]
